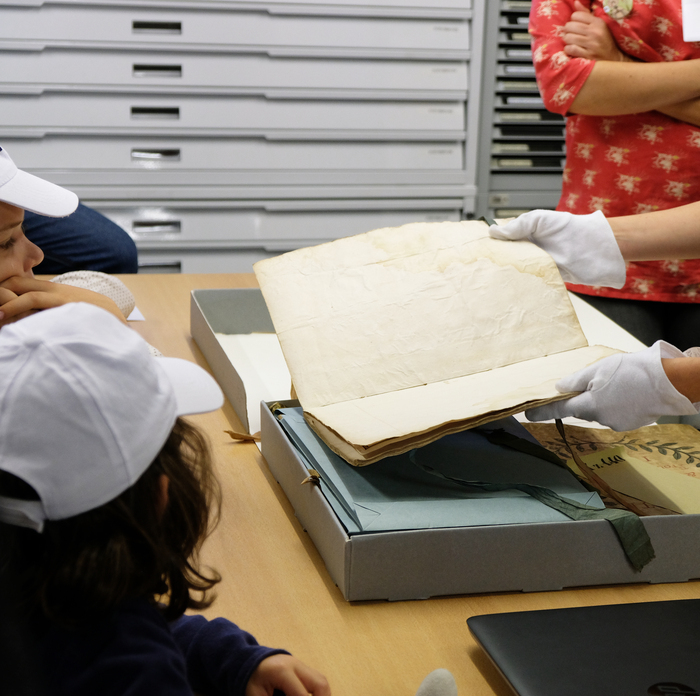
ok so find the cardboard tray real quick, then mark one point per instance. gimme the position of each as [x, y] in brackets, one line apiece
[418, 564]
[229, 311]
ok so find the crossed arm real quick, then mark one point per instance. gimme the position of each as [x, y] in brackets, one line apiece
[620, 85]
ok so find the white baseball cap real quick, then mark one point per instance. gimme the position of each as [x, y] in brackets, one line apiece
[85, 408]
[32, 193]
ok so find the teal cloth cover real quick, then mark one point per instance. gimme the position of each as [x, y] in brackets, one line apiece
[397, 493]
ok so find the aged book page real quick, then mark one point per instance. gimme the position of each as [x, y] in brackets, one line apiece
[414, 331]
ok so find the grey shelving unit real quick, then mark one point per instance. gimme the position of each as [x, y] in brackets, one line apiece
[521, 161]
[220, 132]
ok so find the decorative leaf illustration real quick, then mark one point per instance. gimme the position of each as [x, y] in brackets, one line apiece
[648, 449]
[662, 451]
[677, 455]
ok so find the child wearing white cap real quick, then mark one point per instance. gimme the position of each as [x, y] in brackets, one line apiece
[105, 498]
[105, 492]
[20, 292]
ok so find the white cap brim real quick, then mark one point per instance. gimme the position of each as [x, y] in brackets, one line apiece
[38, 195]
[31, 193]
[195, 389]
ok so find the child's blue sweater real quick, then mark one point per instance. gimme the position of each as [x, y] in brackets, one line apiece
[135, 652]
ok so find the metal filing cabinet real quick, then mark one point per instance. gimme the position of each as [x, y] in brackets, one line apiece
[522, 169]
[219, 132]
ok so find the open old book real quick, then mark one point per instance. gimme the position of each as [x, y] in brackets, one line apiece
[401, 335]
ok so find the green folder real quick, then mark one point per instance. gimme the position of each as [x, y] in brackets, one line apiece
[397, 493]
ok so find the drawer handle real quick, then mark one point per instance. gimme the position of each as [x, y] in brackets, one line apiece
[160, 267]
[156, 155]
[143, 70]
[140, 27]
[155, 112]
[147, 227]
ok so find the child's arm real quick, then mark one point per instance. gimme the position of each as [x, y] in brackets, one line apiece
[27, 295]
[221, 658]
[289, 675]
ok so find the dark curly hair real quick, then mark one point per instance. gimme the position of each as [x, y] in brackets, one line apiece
[83, 567]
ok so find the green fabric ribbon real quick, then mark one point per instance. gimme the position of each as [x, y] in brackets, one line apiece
[630, 531]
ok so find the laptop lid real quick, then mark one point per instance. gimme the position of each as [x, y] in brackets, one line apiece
[641, 649]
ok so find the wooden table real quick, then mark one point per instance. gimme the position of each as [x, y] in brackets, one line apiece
[276, 586]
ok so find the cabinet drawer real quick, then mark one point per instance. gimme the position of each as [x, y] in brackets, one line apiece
[448, 9]
[24, 116]
[201, 260]
[216, 31]
[317, 190]
[181, 227]
[71, 70]
[509, 204]
[195, 155]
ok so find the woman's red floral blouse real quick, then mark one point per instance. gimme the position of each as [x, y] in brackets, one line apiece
[629, 164]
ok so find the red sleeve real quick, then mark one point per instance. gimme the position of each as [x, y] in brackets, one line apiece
[559, 77]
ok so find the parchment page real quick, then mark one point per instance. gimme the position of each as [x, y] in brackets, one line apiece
[372, 421]
[403, 307]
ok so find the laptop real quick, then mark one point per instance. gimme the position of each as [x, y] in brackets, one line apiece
[644, 649]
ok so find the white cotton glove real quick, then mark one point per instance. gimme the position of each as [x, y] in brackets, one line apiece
[582, 246]
[623, 391]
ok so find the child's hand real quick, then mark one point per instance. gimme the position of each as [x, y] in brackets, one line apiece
[287, 674]
[27, 295]
[5, 297]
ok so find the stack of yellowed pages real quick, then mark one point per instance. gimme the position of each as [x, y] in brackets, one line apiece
[399, 336]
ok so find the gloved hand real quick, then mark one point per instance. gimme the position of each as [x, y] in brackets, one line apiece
[623, 391]
[582, 246]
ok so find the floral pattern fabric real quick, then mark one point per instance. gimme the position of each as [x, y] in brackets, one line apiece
[623, 165]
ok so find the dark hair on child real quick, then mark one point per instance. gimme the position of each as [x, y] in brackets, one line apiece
[132, 547]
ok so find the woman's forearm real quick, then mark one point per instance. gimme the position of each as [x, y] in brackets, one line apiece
[684, 375]
[618, 88]
[664, 234]
[687, 111]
